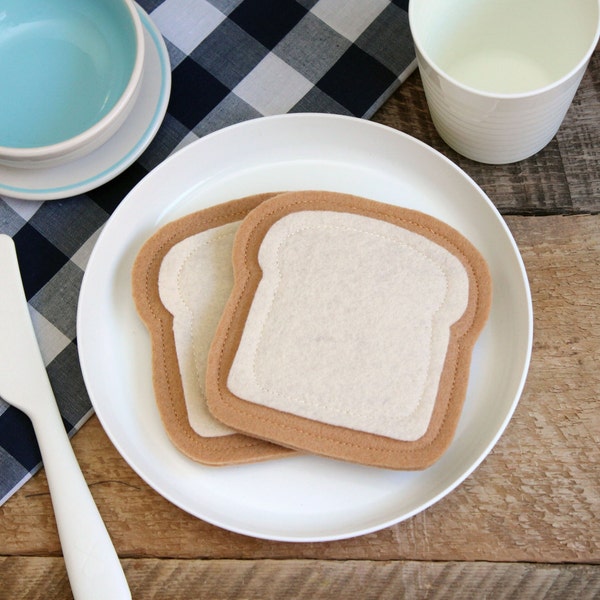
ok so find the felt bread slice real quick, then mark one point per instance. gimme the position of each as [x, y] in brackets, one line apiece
[181, 280]
[349, 330]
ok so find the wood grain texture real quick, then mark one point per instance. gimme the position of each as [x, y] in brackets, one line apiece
[149, 579]
[563, 178]
[536, 498]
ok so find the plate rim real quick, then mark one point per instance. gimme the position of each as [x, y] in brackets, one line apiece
[193, 148]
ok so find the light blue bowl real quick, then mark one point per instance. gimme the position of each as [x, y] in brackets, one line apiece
[69, 74]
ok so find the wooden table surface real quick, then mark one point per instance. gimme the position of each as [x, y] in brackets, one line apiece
[525, 524]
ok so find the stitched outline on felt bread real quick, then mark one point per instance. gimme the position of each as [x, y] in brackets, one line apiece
[380, 211]
[236, 440]
[339, 410]
[183, 301]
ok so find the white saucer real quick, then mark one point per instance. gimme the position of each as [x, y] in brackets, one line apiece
[119, 152]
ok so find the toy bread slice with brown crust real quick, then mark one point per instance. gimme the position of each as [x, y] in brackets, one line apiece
[181, 280]
[350, 329]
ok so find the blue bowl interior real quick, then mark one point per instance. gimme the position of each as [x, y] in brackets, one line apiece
[63, 66]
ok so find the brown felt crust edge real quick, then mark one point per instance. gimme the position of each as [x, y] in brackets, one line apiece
[168, 388]
[321, 438]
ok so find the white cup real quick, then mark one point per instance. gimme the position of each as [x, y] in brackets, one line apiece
[500, 75]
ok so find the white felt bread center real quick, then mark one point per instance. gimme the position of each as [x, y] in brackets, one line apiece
[194, 282]
[350, 323]
[349, 330]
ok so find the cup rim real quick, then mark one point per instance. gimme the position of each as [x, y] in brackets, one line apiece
[73, 143]
[505, 95]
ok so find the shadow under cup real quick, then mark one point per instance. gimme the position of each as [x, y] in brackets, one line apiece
[500, 75]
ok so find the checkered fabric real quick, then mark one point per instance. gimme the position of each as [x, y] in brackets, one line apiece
[231, 60]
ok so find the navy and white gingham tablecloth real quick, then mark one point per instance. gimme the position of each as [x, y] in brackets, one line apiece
[231, 60]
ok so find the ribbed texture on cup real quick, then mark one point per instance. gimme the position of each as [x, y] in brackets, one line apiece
[496, 130]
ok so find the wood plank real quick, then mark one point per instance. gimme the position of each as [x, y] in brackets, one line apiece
[536, 498]
[563, 178]
[45, 578]
[579, 142]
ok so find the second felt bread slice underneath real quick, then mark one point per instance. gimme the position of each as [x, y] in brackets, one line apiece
[180, 282]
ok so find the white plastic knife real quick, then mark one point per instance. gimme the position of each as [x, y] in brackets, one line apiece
[92, 563]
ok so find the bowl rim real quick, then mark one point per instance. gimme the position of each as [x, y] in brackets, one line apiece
[80, 140]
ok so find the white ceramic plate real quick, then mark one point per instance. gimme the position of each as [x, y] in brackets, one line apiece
[119, 152]
[301, 498]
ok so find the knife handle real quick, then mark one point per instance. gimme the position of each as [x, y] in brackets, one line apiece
[93, 566]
